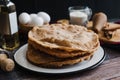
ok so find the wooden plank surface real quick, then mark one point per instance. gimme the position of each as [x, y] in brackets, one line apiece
[109, 70]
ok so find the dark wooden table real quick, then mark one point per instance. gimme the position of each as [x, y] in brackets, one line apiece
[108, 70]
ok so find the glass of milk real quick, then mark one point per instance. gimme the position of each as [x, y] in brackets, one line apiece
[79, 15]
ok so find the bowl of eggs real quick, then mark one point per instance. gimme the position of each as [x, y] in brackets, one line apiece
[28, 21]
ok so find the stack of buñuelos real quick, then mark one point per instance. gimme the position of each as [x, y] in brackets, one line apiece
[57, 45]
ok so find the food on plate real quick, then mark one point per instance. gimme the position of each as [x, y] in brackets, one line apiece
[58, 53]
[40, 58]
[108, 32]
[111, 26]
[65, 44]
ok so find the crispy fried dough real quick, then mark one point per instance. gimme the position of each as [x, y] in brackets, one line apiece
[110, 33]
[114, 36]
[39, 58]
[65, 37]
[111, 26]
[57, 53]
[57, 45]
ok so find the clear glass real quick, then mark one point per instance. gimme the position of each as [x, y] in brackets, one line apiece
[9, 37]
[79, 15]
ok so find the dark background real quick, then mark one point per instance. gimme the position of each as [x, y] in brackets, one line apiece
[58, 9]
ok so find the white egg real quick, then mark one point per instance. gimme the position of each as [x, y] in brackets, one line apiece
[24, 18]
[45, 16]
[33, 15]
[37, 21]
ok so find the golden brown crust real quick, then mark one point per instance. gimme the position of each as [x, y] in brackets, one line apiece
[71, 41]
[63, 21]
[65, 37]
[55, 52]
[110, 33]
[111, 26]
[114, 36]
[41, 59]
[57, 45]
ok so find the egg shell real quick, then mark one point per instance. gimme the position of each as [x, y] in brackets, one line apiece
[24, 18]
[37, 21]
[33, 15]
[45, 16]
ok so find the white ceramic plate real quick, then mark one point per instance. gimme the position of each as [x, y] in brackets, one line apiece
[20, 58]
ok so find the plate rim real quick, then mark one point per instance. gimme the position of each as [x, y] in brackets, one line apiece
[90, 67]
